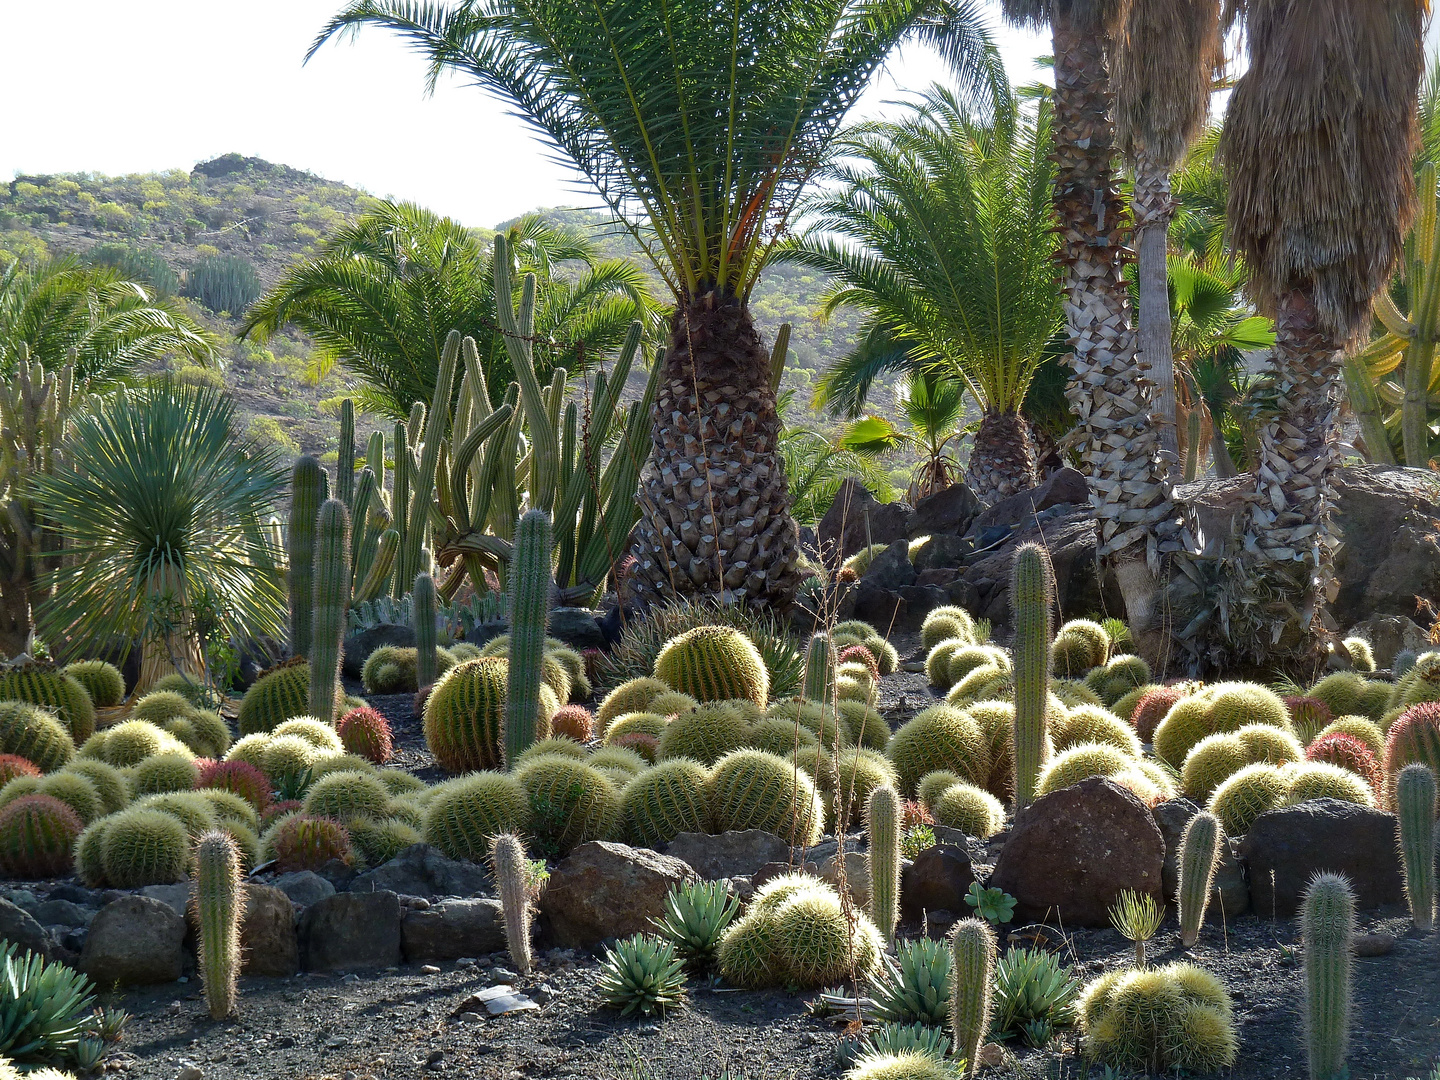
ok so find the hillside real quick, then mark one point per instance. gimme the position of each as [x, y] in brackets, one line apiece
[272, 215]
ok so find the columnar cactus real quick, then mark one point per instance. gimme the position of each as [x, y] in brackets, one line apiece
[345, 460]
[820, 663]
[1199, 855]
[331, 598]
[507, 859]
[882, 822]
[307, 481]
[218, 905]
[529, 607]
[1415, 806]
[1328, 926]
[400, 501]
[971, 987]
[426, 659]
[1031, 590]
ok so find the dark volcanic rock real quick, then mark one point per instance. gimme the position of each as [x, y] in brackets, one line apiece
[937, 880]
[134, 942]
[737, 853]
[603, 890]
[452, 929]
[1062, 486]
[420, 870]
[946, 512]
[351, 930]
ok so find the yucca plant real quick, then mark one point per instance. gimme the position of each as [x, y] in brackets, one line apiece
[915, 985]
[1031, 985]
[45, 1010]
[1137, 916]
[699, 125]
[642, 974]
[696, 914]
[161, 503]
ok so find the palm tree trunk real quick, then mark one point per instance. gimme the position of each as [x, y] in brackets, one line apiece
[1110, 390]
[715, 512]
[1289, 525]
[1002, 460]
[1154, 207]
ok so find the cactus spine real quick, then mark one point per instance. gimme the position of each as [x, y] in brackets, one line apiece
[882, 818]
[529, 606]
[971, 987]
[1031, 589]
[331, 598]
[218, 908]
[1199, 855]
[307, 481]
[820, 669]
[1415, 806]
[1327, 926]
[507, 858]
[426, 661]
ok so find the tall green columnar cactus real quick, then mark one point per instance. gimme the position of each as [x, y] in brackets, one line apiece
[529, 607]
[345, 463]
[400, 502]
[331, 599]
[422, 489]
[218, 907]
[972, 985]
[882, 822]
[507, 859]
[819, 668]
[426, 658]
[1199, 855]
[1327, 916]
[1415, 806]
[307, 484]
[1031, 596]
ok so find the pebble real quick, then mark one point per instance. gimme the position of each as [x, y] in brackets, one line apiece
[189, 1072]
[429, 969]
[465, 962]
[436, 1056]
[543, 993]
[1374, 944]
[503, 974]
[468, 1017]
[351, 978]
[183, 979]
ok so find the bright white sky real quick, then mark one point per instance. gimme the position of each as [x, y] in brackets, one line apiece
[150, 85]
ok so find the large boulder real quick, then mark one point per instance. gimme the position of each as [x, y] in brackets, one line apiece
[842, 530]
[268, 942]
[452, 929]
[1228, 892]
[603, 890]
[937, 880]
[134, 941]
[947, 512]
[1074, 851]
[943, 552]
[737, 853]
[1390, 634]
[1069, 533]
[1062, 487]
[351, 930]
[891, 569]
[576, 627]
[21, 929]
[304, 887]
[358, 647]
[1285, 848]
[420, 870]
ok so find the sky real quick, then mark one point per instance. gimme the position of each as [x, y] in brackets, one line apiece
[152, 85]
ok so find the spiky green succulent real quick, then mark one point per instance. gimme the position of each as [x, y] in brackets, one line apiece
[696, 916]
[642, 974]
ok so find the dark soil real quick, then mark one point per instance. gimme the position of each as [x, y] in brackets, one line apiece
[403, 1022]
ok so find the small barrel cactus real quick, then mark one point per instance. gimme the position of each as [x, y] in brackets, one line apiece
[463, 814]
[1327, 923]
[816, 944]
[101, 680]
[511, 869]
[463, 715]
[660, 803]
[573, 722]
[303, 842]
[144, 846]
[276, 696]
[570, 801]
[341, 795]
[631, 696]
[750, 789]
[218, 904]
[50, 688]
[37, 837]
[972, 810]
[239, 778]
[30, 732]
[1199, 856]
[1414, 737]
[13, 765]
[940, 737]
[365, 732]
[972, 944]
[1246, 795]
[714, 663]
[162, 773]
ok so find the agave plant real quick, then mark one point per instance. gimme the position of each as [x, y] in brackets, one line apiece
[45, 1011]
[1031, 985]
[916, 984]
[642, 974]
[696, 914]
[885, 1039]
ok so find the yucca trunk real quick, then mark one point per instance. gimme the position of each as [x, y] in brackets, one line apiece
[1002, 460]
[1154, 207]
[1110, 389]
[162, 655]
[715, 511]
[1289, 524]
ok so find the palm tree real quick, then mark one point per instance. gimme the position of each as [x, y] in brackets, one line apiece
[699, 125]
[1110, 391]
[816, 466]
[933, 407]
[161, 505]
[1318, 144]
[92, 318]
[383, 294]
[1169, 50]
[939, 227]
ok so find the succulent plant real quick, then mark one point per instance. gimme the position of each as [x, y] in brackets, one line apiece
[556, 745]
[972, 946]
[1318, 780]
[696, 916]
[366, 733]
[1415, 809]
[818, 683]
[30, 732]
[109, 783]
[747, 951]
[1307, 715]
[239, 778]
[1153, 707]
[1198, 858]
[750, 789]
[1119, 676]
[13, 765]
[89, 865]
[1360, 653]
[48, 687]
[642, 974]
[916, 984]
[463, 814]
[378, 841]
[46, 1016]
[570, 802]
[75, 791]
[933, 784]
[276, 696]
[463, 715]
[528, 604]
[660, 803]
[1138, 917]
[510, 866]
[1032, 986]
[144, 846]
[902, 1065]
[1093, 724]
[1327, 927]
[163, 773]
[940, 737]
[229, 807]
[1032, 591]
[218, 904]
[882, 825]
[101, 680]
[37, 837]
[945, 622]
[816, 944]
[714, 663]
[631, 696]
[1246, 795]
[573, 722]
[303, 842]
[972, 810]
[1176, 1017]
[705, 733]
[342, 795]
[1413, 738]
[1080, 763]
[937, 661]
[1357, 727]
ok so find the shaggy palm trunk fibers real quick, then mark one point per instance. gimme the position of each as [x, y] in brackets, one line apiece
[1110, 389]
[1002, 461]
[1154, 208]
[715, 512]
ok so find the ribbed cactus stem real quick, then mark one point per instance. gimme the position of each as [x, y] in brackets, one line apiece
[1327, 916]
[331, 599]
[507, 858]
[1415, 806]
[882, 822]
[375, 458]
[345, 463]
[400, 500]
[1031, 591]
[1199, 855]
[426, 658]
[218, 906]
[307, 483]
[971, 988]
[529, 607]
[819, 668]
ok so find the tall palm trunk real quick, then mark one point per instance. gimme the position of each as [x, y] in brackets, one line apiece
[1110, 389]
[1154, 207]
[1002, 460]
[715, 512]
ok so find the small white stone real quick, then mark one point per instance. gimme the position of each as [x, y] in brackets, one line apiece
[429, 969]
